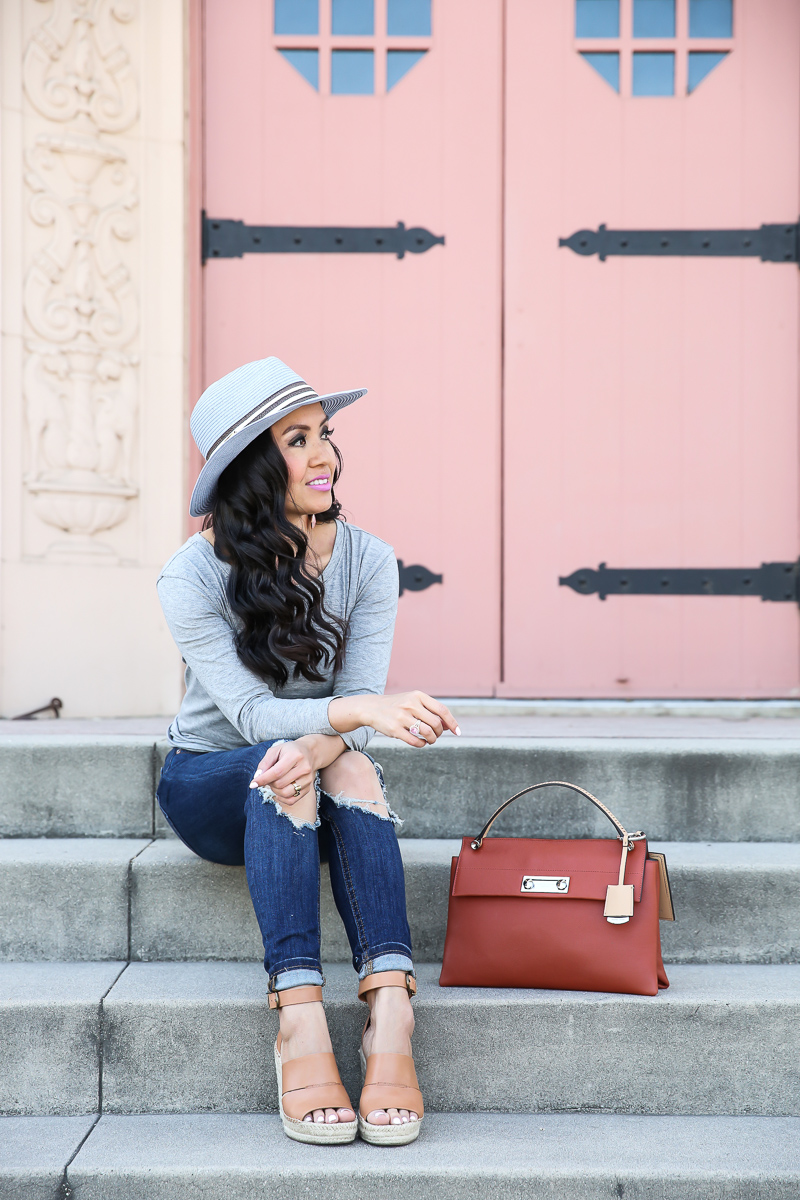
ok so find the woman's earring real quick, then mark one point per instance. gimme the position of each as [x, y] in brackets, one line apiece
[313, 520]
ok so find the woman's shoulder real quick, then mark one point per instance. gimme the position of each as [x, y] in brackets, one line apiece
[365, 553]
[367, 565]
[364, 544]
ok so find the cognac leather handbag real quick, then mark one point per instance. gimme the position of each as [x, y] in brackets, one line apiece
[579, 915]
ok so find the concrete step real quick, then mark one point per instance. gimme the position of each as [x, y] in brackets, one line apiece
[735, 902]
[458, 1156]
[66, 898]
[681, 789]
[51, 1020]
[183, 1037]
[105, 898]
[78, 785]
[34, 1152]
[676, 789]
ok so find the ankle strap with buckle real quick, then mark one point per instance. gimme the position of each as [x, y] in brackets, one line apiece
[309, 994]
[379, 979]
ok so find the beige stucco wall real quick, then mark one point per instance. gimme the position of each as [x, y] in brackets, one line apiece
[92, 221]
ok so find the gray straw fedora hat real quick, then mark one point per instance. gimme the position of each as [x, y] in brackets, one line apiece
[240, 406]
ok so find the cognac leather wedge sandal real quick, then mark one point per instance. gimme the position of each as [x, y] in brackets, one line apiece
[390, 1080]
[309, 1082]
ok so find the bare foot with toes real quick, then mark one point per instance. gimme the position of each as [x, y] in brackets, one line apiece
[304, 1030]
[389, 1031]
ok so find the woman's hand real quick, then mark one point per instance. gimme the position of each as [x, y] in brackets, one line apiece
[286, 770]
[290, 763]
[413, 717]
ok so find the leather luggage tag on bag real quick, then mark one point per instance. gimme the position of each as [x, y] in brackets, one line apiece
[619, 903]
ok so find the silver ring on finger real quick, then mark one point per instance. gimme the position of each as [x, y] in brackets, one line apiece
[415, 730]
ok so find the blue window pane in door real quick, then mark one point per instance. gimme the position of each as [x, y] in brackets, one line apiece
[297, 16]
[409, 18]
[596, 18]
[352, 73]
[710, 18]
[653, 18]
[702, 63]
[353, 16]
[399, 63]
[606, 65]
[653, 73]
[306, 62]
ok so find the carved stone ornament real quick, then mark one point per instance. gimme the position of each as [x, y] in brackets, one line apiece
[80, 304]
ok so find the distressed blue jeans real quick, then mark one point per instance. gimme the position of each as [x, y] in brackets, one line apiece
[207, 800]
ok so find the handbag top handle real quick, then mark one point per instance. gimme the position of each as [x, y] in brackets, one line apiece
[626, 838]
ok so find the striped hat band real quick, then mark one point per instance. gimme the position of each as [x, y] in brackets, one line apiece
[291, 396]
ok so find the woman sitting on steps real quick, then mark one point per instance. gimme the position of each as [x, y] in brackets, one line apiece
[284, 615]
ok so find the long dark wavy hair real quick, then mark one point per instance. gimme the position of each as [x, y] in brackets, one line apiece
[282, 620]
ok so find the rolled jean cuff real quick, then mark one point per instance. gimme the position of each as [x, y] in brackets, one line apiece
[386, 962]
[298, 977]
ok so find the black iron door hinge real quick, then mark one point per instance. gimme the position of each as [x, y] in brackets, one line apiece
[223, 238]
[415, 578]
[778, 581]
[55, 706]
[770, 243]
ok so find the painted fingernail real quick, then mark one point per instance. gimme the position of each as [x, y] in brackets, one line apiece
[458, 731]
[253, 783]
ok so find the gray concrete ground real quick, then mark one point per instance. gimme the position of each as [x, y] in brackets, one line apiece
[81, 876]
[50, 1019]
[65, 898]
[472, 1157]
[34, 1152]
[54, 784]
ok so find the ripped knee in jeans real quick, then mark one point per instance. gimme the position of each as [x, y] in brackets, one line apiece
[376, 808]
[269, 797]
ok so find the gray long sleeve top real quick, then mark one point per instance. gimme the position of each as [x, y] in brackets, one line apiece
[226, 705]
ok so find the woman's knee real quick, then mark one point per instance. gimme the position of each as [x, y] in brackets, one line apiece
[352, 776]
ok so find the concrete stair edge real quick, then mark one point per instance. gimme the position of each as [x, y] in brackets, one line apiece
[35, 1151]
[177, 1037]
[690, 789]
[89, 899]
[457, 1157]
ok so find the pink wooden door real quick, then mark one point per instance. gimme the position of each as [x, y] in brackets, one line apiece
[651, 404]
[377, 122]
